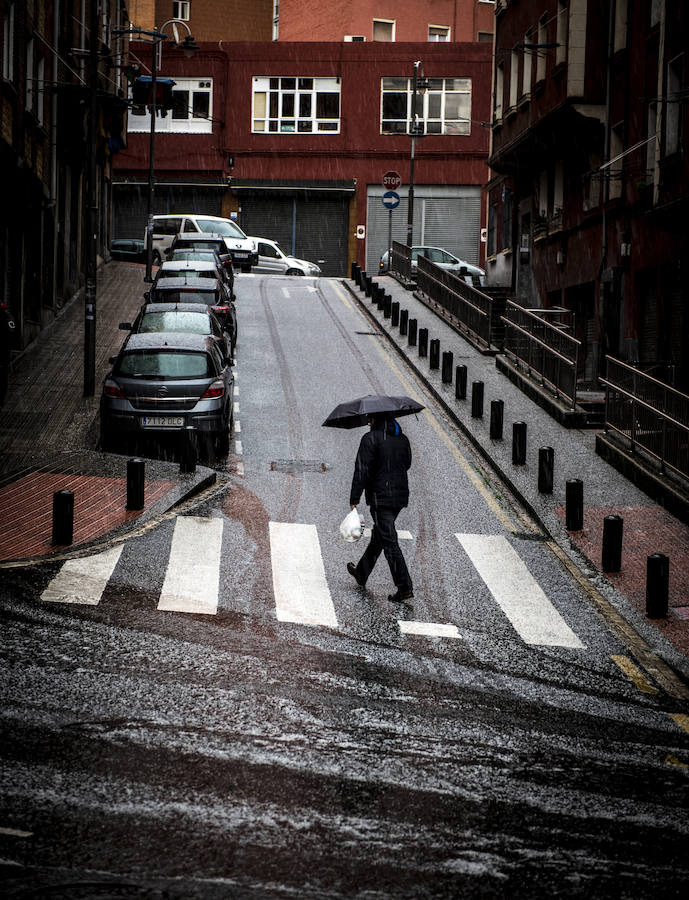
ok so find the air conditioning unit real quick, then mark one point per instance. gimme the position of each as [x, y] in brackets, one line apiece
[354, 37]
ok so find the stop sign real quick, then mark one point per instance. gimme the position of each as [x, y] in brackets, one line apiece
[392, 180]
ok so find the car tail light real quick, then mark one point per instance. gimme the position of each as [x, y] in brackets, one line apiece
[217, 389]
[221, 309]
[112, 389]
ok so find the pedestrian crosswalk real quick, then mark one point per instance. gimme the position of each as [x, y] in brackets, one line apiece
[301, 590]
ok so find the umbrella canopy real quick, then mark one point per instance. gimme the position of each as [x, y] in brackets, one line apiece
[355, 413]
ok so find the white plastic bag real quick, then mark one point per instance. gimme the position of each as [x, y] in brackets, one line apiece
[352, 527]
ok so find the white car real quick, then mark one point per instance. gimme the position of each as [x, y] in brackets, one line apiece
[272, 259]
[238, 244]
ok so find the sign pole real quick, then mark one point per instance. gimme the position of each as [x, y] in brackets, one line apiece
[389, 246]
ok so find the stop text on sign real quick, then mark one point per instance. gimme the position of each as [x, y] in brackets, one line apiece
[392, 180]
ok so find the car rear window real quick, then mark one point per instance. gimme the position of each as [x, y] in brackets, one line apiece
[196, 323]
[182, 296]
[187, 273]
[164, 364]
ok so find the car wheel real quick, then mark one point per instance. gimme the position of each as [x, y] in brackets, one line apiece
[294, 272]
[246, 268]
[156, 258]
[222, 439]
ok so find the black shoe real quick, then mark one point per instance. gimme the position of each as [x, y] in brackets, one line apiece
[351, 568]
[401, 596]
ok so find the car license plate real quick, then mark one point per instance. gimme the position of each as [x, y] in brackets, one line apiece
[241, 255]
[162, 421]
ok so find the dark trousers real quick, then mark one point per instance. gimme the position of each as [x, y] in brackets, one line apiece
[384, 540]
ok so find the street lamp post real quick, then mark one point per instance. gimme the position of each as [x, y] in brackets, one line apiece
[189, 47]
[419, 86]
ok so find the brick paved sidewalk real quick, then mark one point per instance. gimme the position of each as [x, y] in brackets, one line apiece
[648, 528]
[49, 432]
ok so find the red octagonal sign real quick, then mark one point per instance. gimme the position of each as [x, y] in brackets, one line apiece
[392, 180]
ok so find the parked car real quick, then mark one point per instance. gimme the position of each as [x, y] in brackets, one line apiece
[129, 249]
[166, 227]
[205, 254]
[438, 257]
[184, 318]
[272, 259]
[191, 243]
[162, 383]
[209, 291]
[195, 268]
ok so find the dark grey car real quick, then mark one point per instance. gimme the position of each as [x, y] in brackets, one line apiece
[161, 384]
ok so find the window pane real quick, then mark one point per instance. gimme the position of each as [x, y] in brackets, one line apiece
[180, 104]
[435, 84]
[288, 104]
[395, 127]
[274, 84]
[305, 125]
[434, 106]
[288, 84]
[306, 84]
[260, 104]
[327, 126]
[274, 105]
[201, 105]
[394, 106]
[286, 125]
[327, 106]
[305, 104]
[395, 84]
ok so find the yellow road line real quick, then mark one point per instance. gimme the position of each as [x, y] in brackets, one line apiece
[635, 675]
[671, 760]
[464, 464]
[681, 719]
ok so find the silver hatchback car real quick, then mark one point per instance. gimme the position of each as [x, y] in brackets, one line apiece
[163, 383]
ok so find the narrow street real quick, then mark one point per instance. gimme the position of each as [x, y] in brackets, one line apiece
[213, 708]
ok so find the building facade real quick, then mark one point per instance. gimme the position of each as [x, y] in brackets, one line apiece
[293, 139]
[209, 20]
[385, 20]
[45, 148]
[590, 190]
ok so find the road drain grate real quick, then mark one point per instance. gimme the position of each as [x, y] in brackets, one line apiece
[297, 466]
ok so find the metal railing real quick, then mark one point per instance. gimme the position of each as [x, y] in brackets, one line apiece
[650, 414]
[475, 311]
[400, 260]
[544, 349]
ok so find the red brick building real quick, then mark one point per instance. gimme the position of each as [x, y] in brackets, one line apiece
[588, 207]
[294, 139]
[386, 20]
[209, 20]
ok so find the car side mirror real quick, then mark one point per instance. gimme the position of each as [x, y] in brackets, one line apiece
[125, 326]
[147, 296]
[112, 360]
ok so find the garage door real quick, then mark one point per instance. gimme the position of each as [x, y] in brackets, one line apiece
[311, 227]
[448, 217]
[130, 205]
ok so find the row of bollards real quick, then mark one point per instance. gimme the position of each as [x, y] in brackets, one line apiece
[658, 565]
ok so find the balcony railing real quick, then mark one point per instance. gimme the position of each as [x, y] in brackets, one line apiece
[652, 416]
[543, 349]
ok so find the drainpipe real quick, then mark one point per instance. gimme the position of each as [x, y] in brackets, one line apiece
[606, 181]
[53, 151]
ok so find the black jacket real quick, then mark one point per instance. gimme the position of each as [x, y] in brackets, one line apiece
[381, 467]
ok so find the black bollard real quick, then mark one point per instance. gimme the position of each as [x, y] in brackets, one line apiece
[63, 517]
[574, 504]
[368, 285]
[657, 585]
[497, 410]
[395, 313]
[412, 333]
[519, 443]
[461, 383]
[423, 342]
[476, 399]
[387, 306]
[448, 362]
[136, 479]
[378, 296]
[434, 357]
[612, 543]
[404, 321]
[546, 460]
[187, 456]
[355, 266]
[362, 279]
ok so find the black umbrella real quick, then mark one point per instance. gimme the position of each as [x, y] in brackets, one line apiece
[355, 413]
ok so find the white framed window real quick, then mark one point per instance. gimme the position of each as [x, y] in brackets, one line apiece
[499, 89]
[383, 29]
[514, 77]
[526, 69]
[8, 43]
[30, 92]
[192, 111]
[445, 108]
[181, 9]
[292, 104]
[438, 33]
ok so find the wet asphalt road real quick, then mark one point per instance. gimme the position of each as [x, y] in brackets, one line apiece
[164, 754]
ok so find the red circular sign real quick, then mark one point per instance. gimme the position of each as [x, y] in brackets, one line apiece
[392, 180]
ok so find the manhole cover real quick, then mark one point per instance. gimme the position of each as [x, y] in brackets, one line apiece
[297, 466]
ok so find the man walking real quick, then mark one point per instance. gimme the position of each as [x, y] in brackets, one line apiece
[380, 472]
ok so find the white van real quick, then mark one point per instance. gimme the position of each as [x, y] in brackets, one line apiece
[244, 256]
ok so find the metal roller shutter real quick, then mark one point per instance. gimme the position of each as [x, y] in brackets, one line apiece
[130, 204]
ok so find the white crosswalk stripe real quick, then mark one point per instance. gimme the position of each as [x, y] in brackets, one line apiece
[193, 573]
[83, 580]
[301, 589]
[516, 591]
